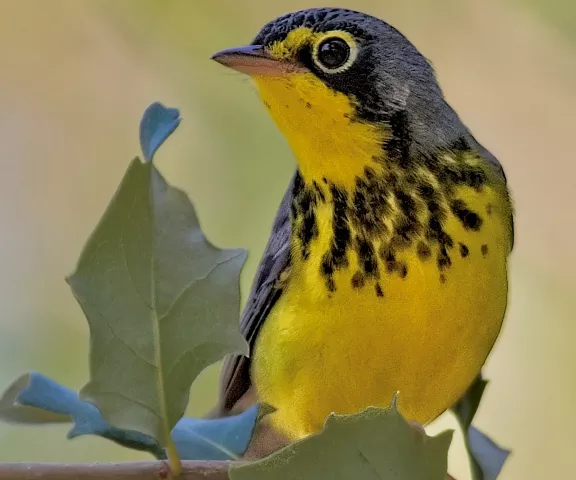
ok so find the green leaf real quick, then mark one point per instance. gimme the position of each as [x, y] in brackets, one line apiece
[486, 457]
[374, 444]
[466, 408]
[161, 301]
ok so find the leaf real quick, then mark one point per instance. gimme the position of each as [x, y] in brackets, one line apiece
[215, 439]
[374, 444]
[21, 403]
[466, 408]
[157, 124]
[486, 457]
[36, 399]
[161, 301]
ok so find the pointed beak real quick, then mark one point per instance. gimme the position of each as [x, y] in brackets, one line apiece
[253, 60]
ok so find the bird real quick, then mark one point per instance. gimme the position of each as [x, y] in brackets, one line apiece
[386, 269]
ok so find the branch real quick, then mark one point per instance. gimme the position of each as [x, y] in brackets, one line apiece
[191, 470]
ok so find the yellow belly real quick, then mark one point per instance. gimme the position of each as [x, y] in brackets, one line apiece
[425, 337]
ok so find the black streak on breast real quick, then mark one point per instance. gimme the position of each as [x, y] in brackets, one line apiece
[337, 255]
[399, 204]
[370, 205]
[470, 220]
[304, 204]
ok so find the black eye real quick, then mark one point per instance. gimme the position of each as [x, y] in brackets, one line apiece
[333, 53]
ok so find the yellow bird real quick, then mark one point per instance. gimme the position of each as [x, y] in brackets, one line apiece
[386, 269]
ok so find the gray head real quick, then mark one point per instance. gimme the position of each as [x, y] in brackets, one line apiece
[385, 77]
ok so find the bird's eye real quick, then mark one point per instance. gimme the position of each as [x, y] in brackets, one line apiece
[334, 54]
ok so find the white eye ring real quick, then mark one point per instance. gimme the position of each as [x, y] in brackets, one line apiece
[352, 54]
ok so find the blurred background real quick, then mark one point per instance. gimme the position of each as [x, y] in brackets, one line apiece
[75, 79]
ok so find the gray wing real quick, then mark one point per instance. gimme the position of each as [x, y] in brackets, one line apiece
[266, 289]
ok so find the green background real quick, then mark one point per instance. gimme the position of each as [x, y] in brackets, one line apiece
[76, 77]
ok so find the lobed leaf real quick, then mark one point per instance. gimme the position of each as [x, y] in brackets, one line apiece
[374, 444]
[161, 301]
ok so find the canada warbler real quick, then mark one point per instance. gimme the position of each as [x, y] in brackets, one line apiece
[386, 269]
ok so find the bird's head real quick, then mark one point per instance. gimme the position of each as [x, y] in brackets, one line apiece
[341, 85]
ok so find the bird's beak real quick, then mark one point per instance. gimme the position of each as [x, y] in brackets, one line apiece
[253, 60]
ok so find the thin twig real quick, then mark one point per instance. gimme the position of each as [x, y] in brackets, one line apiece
[159, 470]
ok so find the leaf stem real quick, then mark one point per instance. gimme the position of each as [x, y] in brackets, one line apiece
[173, 458]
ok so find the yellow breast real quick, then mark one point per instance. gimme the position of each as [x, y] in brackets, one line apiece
[421, 326]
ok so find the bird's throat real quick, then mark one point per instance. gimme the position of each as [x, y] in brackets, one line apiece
[322, 128]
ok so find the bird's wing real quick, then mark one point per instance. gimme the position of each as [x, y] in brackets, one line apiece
[266, 289]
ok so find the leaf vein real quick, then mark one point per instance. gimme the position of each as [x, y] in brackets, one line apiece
[134, 352]
[125, 258]
[194, 282]
[133, 400]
